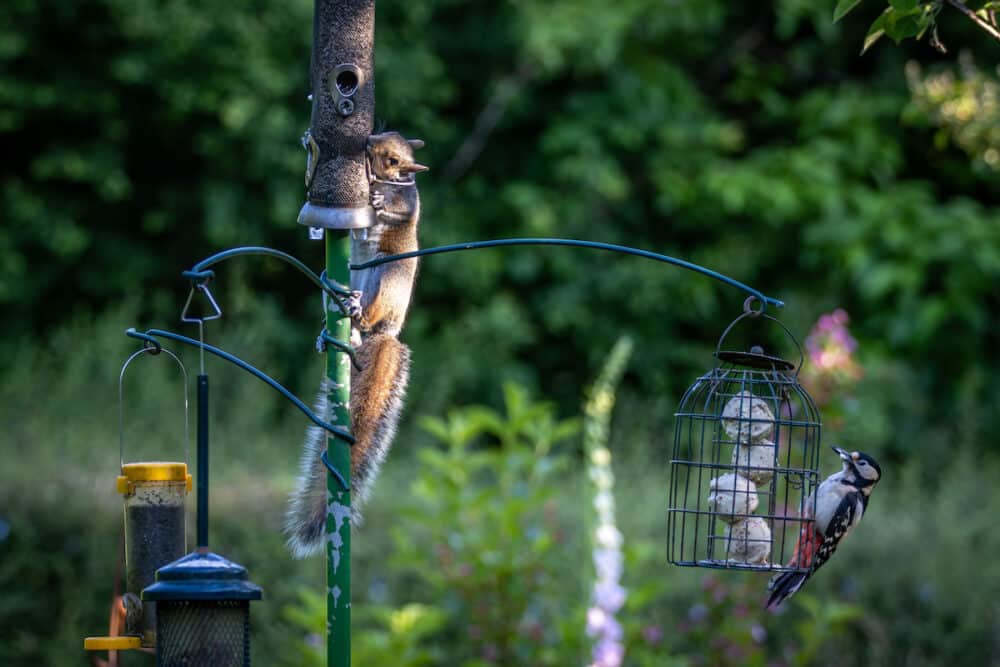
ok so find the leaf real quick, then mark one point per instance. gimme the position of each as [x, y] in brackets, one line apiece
[904, 26]
[904, 5]
[843, 7]
[435, 427]
[875, 31]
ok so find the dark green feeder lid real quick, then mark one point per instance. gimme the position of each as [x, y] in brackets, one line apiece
[202, 576]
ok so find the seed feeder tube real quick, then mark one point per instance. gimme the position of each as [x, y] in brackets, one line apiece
[154, 494]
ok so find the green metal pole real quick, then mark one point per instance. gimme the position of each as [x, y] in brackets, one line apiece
[343, 108]
[338, 518]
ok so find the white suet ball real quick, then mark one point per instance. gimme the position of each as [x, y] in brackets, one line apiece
[755, 461]
[747, 418]
[749, 541]
[731, 496]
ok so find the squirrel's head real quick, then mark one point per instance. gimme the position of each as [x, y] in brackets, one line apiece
[391, 156]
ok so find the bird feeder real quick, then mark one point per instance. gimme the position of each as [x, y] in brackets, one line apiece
[203, 611]
[153, 495]
[745, 460]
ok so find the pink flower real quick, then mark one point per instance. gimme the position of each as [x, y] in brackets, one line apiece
[832, 367]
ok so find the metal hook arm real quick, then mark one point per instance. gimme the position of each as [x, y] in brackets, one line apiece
[341, 433]
[199, 271]
[684, 264]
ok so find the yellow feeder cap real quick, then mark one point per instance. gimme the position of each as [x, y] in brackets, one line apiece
[153, 471]
[111, 643]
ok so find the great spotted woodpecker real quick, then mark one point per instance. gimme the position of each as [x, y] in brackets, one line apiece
[841, 501]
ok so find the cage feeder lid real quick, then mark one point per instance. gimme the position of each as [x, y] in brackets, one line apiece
[755, 358]
[202, 576]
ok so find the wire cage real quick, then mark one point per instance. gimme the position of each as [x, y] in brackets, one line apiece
[745, 462]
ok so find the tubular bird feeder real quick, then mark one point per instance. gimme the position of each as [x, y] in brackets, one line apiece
[153, 494]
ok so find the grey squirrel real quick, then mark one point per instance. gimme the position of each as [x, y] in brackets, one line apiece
[378, 310]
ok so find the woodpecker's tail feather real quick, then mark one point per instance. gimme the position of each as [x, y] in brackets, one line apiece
[784, 586]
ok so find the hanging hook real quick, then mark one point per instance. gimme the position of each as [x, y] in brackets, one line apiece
[756, 357]
[153, 347]
[748, 308]
[199, 281]
[201, 286]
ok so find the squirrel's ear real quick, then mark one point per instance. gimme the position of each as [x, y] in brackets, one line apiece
[415, 143]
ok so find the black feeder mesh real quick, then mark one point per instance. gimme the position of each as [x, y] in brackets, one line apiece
[744, 470]
[201, 633]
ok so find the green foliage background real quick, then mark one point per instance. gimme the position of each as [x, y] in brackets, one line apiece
[138, 137]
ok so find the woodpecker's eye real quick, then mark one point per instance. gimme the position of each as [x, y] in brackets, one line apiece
[862, 463]
[393, 161]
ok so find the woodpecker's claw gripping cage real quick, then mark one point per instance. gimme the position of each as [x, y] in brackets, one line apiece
[745, 461]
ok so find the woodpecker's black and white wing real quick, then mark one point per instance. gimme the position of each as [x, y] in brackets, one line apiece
[815, 546]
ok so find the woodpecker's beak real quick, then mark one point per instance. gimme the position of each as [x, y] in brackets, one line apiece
[845, 455]
[416, 166]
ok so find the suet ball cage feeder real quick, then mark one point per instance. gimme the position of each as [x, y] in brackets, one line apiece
[745, 461]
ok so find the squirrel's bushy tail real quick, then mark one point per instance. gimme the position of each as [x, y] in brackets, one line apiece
[377, 393]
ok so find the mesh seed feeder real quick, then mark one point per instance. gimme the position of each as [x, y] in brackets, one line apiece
[203, 611]
[153, 495]
[745, 460]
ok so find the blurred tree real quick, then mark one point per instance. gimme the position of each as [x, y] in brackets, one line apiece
[141, 136]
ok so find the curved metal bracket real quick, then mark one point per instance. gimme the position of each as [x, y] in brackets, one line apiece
[579, 244]
[329, 466]
[200, 274]
[337, 432]
[325, 339]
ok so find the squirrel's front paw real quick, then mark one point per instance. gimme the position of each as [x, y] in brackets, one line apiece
[353, 304]
[378, 200]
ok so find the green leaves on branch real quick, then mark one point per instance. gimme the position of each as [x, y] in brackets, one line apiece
[913, 18]
[902, 19]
